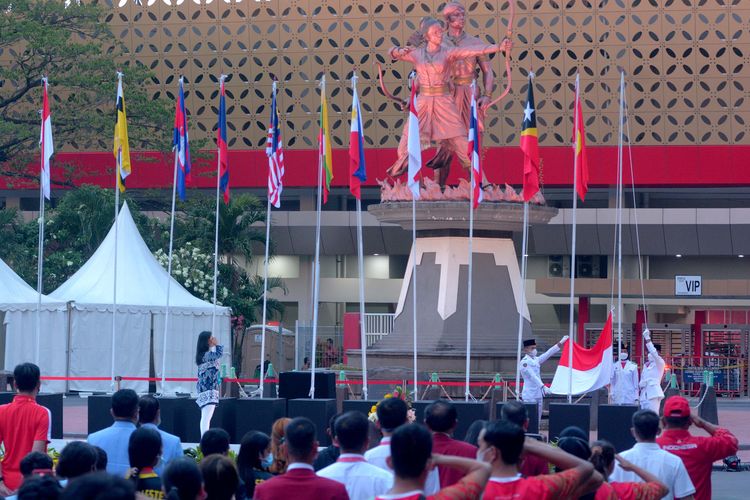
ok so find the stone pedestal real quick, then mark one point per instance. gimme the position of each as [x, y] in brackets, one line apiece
[441, 257]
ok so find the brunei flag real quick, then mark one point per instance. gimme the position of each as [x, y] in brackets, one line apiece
[324, 144]
[530, 147]
[121, 148]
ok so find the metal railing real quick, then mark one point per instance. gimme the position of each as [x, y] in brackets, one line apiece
[377, 326]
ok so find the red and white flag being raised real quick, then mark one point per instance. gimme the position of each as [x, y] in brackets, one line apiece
[592, 368]
[45, 142]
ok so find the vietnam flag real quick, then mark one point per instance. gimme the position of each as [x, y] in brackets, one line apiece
[579, 147]
[530, 147]
[592, 368]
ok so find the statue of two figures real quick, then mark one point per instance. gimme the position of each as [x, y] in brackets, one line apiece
[446, 64]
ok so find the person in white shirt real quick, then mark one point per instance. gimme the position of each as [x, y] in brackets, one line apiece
[651, 375]
[392, 414]
[361, 479]
[534, 389]
[624, 382]
[647, 455]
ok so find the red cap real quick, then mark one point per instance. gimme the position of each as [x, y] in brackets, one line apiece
[676, 406]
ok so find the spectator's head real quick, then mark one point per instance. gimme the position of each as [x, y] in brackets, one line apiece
[40, 488]
[329, 342]
[101, 459]
[148, 410]
[576, 432]
[352, 429]
[220, 478]
[125, 405]
[76, 459]
[574, 446]
[35, 462]
[255, 446]
[279, 452]
[306, 363]
[645, 426]
[391, 414]
[182, 480]
[215, 442]
[331, 430]
[441, 416]
[202, 346]
[502, 442]
[300, 442]
[603, 457]
[472, 433]
[676, 413]
[144, 448]
[515, 411]
[27, 378]
[411, 449]
[99, 486]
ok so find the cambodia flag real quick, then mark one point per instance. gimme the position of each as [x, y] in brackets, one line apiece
[221, 142]
[357, 171]
[181, 144]
[592, 368]
[476, 167]
[530, 147]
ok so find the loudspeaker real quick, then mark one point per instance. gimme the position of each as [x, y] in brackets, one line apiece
[360, 405]
[615, 422]
[99, 412]
[257, 415]
[225, 418]
[170, 408]
[188, 417]
[419, 408]
[562, 415]
[319, 411]
[296, 385]
[54, 403]
[468, 413]
[531, 413]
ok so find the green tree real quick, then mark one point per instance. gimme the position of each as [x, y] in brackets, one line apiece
[73, 46]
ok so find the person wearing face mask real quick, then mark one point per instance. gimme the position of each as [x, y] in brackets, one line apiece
[253, 461]
[623, 385]
[651, 375]
[534, 389]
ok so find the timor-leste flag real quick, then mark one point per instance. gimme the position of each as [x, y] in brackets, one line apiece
[530, 146]
[121, 146]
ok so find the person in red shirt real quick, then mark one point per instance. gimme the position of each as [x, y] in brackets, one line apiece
[24, 426]
[502, 444]
[412, 460]
[603, 457]
[531, 465]
[698, 453]
[441, 418]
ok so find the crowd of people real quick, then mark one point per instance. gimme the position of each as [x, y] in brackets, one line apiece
[390, 459]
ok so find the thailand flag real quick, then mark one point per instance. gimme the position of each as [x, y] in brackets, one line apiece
[414, 146]
[181, 143]
[357, 171]
[45, 142]
[476, 167]
[221, 142]
[275, 153]
[592, 368]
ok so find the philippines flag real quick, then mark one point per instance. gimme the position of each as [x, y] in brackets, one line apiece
[45, 142]
[275, 153]
[414, 146]
[221, 142]
[181, 143]
[476, 167]
[592, 368]
[357, 171]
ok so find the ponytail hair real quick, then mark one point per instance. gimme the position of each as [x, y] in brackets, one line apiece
[602, 457]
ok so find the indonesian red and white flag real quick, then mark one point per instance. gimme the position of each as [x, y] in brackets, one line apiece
[45, 142]
[414, 146]
[592, 368]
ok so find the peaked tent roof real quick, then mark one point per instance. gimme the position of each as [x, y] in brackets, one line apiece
[16, 294]
[141, 280]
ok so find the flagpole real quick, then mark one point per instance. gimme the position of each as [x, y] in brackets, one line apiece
[216, 229]
[319, 207]
[619, 218]
[265, 291]
[524, 246]
[467, 392]
[571, 310]
[414, 289]
[114, 286]
[40, 254]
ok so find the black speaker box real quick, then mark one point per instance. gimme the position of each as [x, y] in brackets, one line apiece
[562, 415]
[257, 415]
[531, 412]
[170, 408]
[53, 402]
[319, 411]
[188, 417]
[360, 405]
[615, 422]
[99, 412]
[296, 385]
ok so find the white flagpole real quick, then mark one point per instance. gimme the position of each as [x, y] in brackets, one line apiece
[361, 269]
[414, 289]
[571, 310]
[316, 270]
[265, 291]
[40, 254]
[467, 392]
[524, 251]
[619, 217]
[114, 286]
[216, 229]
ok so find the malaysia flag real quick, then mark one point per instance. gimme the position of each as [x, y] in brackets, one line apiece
[275, 153]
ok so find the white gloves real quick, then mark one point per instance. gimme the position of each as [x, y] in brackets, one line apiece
[546, 391]
[562, 340]
[646, 334]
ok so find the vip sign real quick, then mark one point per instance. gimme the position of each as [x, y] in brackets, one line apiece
[688, 285]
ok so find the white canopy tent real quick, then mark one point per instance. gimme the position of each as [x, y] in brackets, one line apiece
[18, 316]
[141, 302]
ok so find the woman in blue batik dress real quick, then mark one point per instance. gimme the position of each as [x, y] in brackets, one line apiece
[207, 356]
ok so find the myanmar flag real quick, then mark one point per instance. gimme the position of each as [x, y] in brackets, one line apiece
[324, 144]
[530, 147]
